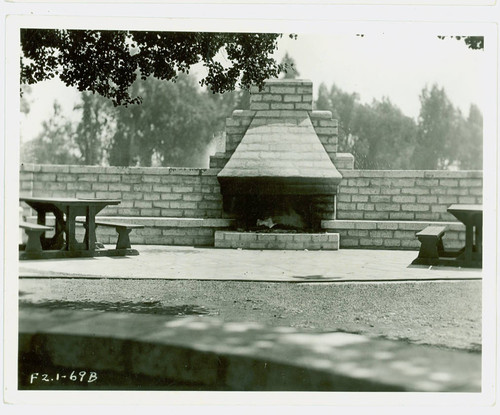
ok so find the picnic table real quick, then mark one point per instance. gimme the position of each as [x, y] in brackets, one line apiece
[472, 217]
[63, 243]
[432, 251]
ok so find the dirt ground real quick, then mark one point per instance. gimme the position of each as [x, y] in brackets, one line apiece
[440, 313]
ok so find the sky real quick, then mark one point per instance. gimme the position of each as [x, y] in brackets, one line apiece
[394, 65]
[397, 67]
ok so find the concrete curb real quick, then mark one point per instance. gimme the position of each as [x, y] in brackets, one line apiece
[202, 353]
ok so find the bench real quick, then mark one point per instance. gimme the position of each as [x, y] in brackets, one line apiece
[34, 232]
[431, 248]
[123, 230]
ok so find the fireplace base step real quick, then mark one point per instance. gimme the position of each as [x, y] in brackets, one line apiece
[284, 241]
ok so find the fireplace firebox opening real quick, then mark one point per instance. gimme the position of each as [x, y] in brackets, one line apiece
[277, 213]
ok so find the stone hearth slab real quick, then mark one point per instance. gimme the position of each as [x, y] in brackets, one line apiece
[271, 240]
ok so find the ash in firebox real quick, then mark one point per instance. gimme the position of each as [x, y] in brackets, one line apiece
[282, 223]
[266, 222]
[289, 220]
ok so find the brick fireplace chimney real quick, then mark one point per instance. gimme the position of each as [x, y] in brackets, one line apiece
[280, 152]
[281, 171]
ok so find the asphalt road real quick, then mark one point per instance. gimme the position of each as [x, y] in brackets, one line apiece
[440, 313]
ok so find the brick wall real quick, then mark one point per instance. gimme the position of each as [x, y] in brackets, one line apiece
[327, 131]
[381, 209]
[285, 241]
[236, 127]
[282, 95]
[375, 209]
[368, 234]
[145, 192]
[405, 195]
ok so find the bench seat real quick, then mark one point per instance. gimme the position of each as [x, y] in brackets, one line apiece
[431, 248]
[432, 231]
[123, 230]
[118, 224]
[34, 232]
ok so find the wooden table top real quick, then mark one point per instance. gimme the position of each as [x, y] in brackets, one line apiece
[465, 208]
[468, 214]
[69, 201]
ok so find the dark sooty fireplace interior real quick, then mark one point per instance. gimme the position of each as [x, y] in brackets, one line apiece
[283, 213]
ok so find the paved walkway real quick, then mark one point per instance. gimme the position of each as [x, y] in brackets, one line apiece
[174, 262]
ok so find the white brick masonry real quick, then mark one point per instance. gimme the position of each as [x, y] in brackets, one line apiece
[390, 234]
[281, 139]
[285, 241]
[272, 149]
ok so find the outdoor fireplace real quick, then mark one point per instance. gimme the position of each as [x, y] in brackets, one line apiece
[280, 176]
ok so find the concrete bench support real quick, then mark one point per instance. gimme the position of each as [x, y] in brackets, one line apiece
[34, 233]
[123, 230]
[431, 240]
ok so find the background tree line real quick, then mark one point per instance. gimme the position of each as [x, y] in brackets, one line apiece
[380, 136]
[176, 125]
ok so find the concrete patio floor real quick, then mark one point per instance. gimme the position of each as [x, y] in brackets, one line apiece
[182, 262]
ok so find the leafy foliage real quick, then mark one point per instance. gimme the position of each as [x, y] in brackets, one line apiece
[470, 140]
[108, 62]
[173, 126]
[54, 144]
[380, 136]
[290, 68]
[94, 129]
[437, 127]
[472, 42]
[384, 137]
[342, 105]
[25, 104]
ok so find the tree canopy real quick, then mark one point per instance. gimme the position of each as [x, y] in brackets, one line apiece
[176, 125]
[55, 142]
[108, 62]
[380, 136]
[290, 70]
[472, 42]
